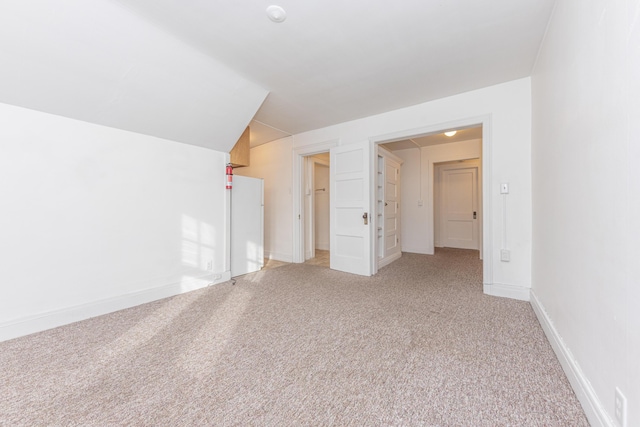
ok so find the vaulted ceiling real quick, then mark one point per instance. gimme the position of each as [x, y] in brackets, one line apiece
[199, 71]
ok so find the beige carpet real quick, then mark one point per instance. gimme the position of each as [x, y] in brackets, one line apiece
[416, 345]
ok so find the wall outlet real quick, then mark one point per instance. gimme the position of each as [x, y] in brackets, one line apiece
[210, 265]
[621, 409]
[217, 276]
[505, 255]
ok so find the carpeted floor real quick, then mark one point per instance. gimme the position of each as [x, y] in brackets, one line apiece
[416, 345]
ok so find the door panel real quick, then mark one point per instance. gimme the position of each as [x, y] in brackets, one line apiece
[247, 225]
[391, 208]
[350, 236]
[460, 201]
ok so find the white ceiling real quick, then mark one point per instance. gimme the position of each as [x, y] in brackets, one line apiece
[197, 71]
[333, 60]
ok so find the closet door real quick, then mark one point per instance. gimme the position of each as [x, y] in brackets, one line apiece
[389, 245]
[391, 209]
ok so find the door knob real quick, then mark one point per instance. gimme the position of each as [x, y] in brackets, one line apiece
[474, 214]
[366, 218]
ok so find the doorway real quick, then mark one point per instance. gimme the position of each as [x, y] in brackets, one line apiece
[458, 204]
[434, 163]
[316, 209]
[298, 194]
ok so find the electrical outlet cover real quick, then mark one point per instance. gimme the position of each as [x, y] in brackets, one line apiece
[621, 408]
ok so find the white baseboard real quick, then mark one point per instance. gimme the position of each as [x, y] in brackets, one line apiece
[52, 319]
[388, 260]
[416, 250]
[278, 256]
[507, 291]
[591, 405]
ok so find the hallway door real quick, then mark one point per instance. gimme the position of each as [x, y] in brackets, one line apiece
[459, 219]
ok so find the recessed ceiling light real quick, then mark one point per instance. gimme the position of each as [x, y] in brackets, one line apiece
[451, 133]
[276, 13]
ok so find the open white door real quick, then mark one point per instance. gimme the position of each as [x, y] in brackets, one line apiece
[350, 235]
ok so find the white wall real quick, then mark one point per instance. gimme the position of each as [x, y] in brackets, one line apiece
[95, 219]
[586, 199]
[273, 162]
[506, 108]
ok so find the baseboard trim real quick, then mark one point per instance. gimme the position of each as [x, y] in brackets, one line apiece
[416, 250]
[53, 319]
[322, 246]
[591, 405]
[388, 260]
[278, 256]
[507, 291]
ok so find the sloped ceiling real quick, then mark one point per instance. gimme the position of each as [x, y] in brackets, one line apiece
[198, 71]
[96, 61]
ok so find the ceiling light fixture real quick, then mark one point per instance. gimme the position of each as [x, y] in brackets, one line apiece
[276, 13]
[451, 133]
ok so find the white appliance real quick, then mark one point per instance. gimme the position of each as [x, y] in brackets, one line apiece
[247, 225]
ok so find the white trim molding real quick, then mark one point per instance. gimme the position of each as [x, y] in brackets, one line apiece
[388, 260]
[53, 319]
[278, 256]
[591, 405]
[503, 290]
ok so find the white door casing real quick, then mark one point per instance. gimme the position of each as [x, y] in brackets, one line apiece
[350, 238]
[459, 208]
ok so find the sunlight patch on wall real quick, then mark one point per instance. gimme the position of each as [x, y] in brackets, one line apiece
[198, 244]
